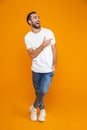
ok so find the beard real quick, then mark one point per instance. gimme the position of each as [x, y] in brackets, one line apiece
[35, 25]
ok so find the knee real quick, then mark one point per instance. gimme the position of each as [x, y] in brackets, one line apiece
[41, 94]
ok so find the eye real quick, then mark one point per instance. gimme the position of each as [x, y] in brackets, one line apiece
[35, 17]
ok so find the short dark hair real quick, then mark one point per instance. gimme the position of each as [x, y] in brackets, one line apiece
[29, 16]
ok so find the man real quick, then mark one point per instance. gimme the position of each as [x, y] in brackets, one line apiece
[40, 44]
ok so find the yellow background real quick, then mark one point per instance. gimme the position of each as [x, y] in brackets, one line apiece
[66, 101]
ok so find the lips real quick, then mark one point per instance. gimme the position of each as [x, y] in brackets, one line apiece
[38, 22]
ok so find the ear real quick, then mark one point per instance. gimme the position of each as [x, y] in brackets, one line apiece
[29, 21]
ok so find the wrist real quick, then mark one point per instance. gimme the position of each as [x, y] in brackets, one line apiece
[43, 45]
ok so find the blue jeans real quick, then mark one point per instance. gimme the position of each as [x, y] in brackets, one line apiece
[41, 82]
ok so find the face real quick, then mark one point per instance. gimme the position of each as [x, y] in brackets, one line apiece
[35, 21]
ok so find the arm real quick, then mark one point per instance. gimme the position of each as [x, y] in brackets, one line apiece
[36, 52]
[54, 56]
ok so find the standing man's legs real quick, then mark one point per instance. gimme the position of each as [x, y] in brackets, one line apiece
[41, 83]
[39, 101]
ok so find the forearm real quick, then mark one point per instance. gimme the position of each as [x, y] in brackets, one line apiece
[37, 51]
[54, 56]
[54, 59]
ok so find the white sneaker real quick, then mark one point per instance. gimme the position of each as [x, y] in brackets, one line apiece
[42, 115]
[33, 112]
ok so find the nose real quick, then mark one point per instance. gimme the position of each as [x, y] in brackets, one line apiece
[38, 18]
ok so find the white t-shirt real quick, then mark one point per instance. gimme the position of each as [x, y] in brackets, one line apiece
[43, 62]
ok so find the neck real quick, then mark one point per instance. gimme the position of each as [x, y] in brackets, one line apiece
[36, 30]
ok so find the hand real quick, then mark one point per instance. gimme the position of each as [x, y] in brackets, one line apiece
[46, 42]
[53, 67]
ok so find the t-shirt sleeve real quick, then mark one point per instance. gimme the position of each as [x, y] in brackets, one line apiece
[53, 41]
[27, 43]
